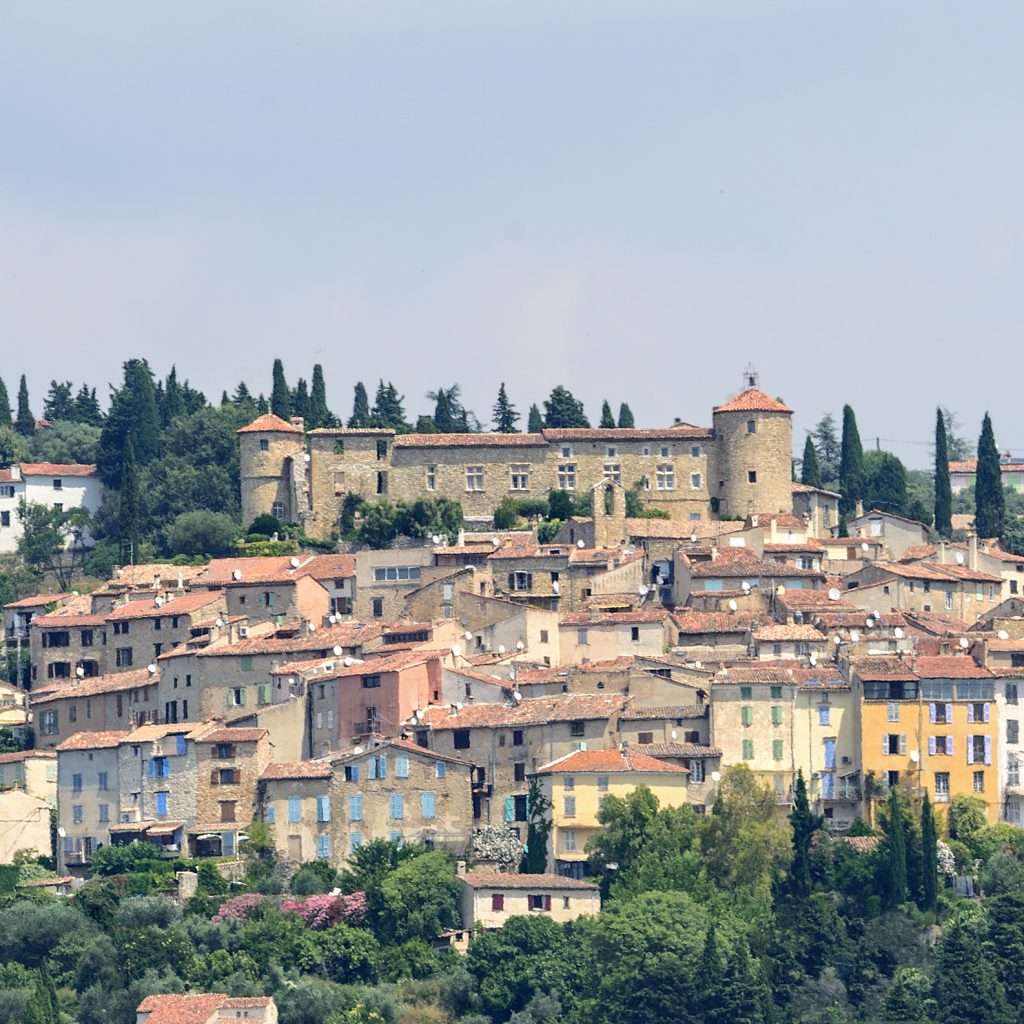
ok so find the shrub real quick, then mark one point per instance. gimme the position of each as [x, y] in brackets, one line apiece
[325, 910]
[238, 908]
[202, 533]
[266, 524]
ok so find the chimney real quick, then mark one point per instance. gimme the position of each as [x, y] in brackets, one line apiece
[972, 551]
[942, 552]
[460, 867]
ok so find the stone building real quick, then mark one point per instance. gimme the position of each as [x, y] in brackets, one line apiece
[739, 465]
[489, 898]
[34, 771]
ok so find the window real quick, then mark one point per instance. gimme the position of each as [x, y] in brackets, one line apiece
[696, 480]
[101, 780]
[440, 769]
[393, 573]
[520, 477]
[776, 750]
[751, 426]
[566, 451]
[396, 807]
[645, 737]
[5, 518]
[264, 445]
[355, 840]
[940, 745]
[323, 846]
[76, 814]
[236, 697]
[748, 750]
[431, 478]
[270, 814]
[665, 477]
[894, 743]
[979, 782]
[776, 714]
[382, 450]
[323, 808]
[893, 712]
[460, 739]
[427, 806]
[1012, 730]
[569, 839]
[294, 809]
[979, 749]
[577, 728]
[612, 472]
[474, 478]
[517, 738]
[160, 801]
[1011, 693]
[602, 783]
[520, 581]
[570, 782]
[747, 715]
[746, 693]
[567, 476]
[104, 810]
[824, 714]
[378, 607]
[665, 451]
[519, 771]
[776, 693]
[355, 807]
[1012, 772]
[122, 628]
[535, 901]
[751, 476]
[48, 724]
[123, 657]
[76, 783]
[634, 634]
[369, 683]
[497, 901]
[569, 806]
[227, 810]
[949, 600]
[277, 510]
[942, 787]
[582, 637]
[696, 771]
[401, 767]
[86, 637]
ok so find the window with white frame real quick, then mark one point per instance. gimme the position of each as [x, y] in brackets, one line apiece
[391, 573]
[695, 451]
[566, 451]
[567, 476]
[522, 580]
[665, 451]
[431, 478]
[665, 477]
[277, 510]
[520, 476]
[696, 479]
[613, 472]
[474, 478]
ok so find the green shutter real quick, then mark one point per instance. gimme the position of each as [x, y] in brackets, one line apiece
[776, 714]
[776, 750]
[747, 715]
[748, 750]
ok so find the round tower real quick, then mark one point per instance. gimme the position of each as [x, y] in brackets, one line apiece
[753, 454]
[271, 460]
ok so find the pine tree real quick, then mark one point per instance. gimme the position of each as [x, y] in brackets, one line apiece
[745, 996]
[300, 400]
[805, 824]
[25, 422]
[607, 419]
[709, 975]
[810, 469]
[626, 416]
[563, 409]
[535, 421]
[851, 464]
[826, 444]
[388, 410]
[242, 395]
[943, 491]
[895, 873]
[262, 405]
[966, 982]
[989, 504]
[929, 857]
[319, 414]
[280, 396]
[446, 409]
[173, 404]
[505, 415]
[5, 407]
[87, 407]
[129, 511]
[133, 413]
[360, 408]
[58, 403]
[225, 400]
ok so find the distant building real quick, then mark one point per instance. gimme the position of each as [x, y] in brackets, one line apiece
[963, 473]
[206, 1008]
[55, 485]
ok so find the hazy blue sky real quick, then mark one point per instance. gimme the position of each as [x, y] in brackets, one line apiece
[633, 199]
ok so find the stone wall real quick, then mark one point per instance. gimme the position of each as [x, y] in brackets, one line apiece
[767, 451]
[266, 475]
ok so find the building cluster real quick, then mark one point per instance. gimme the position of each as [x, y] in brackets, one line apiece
[423, 692]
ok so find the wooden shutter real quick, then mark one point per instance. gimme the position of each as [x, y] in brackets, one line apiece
[214, 776]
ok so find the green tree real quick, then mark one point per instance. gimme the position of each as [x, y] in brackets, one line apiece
[350, 955]
[13, 447]
[560, 505]
[504, 413]
[626, 416]
[25, 421]
[388, 409]
[958, 446]
[280, 394]
[851, 464]
[129, 507]
[810, 469]
[989, 502]
[66, 441]
[535, 421]
[173, 404]
[895, 853]
[319, 413]
[5, 407]
[563, 409]
[133, 414]
[360, 417]
[538, 829]
[420, 897]
[805, 824]
[929, 857]
[202, 532]
[607, 419]
[87, 407]
[51, 540]
[966, 983]
[943, 491]
[826, 444]
[380, 524]
[1006, 941]
[300, 400]
[448, 413]
[58, 403]
[909, 999]
[885, 483]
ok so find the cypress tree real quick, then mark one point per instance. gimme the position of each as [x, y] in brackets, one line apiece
[445, 411]
[805, 824]
[262, 405]
[59, 403]
[505, 414]
[709, 976]
[607, 419]
[280, 396]
[895, 853]
[929, 857]
[851, 464]
[988, 485]
[300, 400]
[535, 421]
[87, 408]
[810, 469]
[225, 401]
[943, 491]
[173, 403]
[319, 414]
[129, 512]
[626, 416]
[360, 407]
[5, 407]
[25, 422]
[388, 409]
[133, 413]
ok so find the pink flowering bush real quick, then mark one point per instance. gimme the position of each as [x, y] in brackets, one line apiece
[238, 908]
[322, 911]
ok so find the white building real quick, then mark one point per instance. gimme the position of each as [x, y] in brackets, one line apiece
[1011, 749]
[54, 485]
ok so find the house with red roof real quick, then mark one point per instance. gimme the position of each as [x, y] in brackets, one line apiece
[206, 1008]
[55, 486]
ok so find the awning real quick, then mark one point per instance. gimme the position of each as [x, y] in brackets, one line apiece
[164, 828]
[131, 826]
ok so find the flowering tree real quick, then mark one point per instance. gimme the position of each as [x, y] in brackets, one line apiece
[326, 909]
[238, 908]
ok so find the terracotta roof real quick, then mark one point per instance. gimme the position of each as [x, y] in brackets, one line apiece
[786, 519]
[638, 714]
[862, 844]
[856, 620]
[470, 441]
[618, 760]
[232, 735]
[93, 740]
[697, 622]
[851, 542]
[95, 685]
[296, 770]
[44, 883]
[750, 566]
[481, 879]
[1010, 645]
[401, 744]
[145, 573]
[775, 672]
[882, 669]
[324, 567]
[950, 666]
[596, 618]
[181, 1009]
[752, 400]
[37, 601]
[57, 620]
[378, 666]
[778, 634]
[933, 572]
[799, 488]
[269, 423]
[56, 469]
[812, 546]
[146, 609]
[1002, 556]
[25, 755]
[677, 432]
[811, 600]
[971, 466]
[678, 750]
[154, 731]
[530, 711]
[344, 634]
[936, 623]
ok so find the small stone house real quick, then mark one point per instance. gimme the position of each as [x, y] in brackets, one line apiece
[489, 898]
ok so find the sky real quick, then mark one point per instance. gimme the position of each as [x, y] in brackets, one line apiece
[632, 199]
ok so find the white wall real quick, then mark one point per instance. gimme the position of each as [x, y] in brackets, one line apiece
[74, 492]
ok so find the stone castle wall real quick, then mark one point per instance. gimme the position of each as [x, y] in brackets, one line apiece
[767, 451]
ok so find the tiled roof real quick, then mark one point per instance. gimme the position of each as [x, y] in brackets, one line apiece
[936, 623]
[812, 546]
[779, 634]
[786, 519]
[470, 441]
[811, 600]
[232, 735]
[344, 634]
[697, 622]
[677, 750]
[153, 731]
[58, 620]
[56, 469]
[402, 744]
[269, 423]
[677, 432]
[95, 685]
[93, 740]
[377, 666]
[482, 879]
[296, 770]
[595, 618]
[181, 1009]
[752, 400]
[24, 755]
[147, 609]
[851, 542]
[667, 529]
[882, 669]
[1001, 646]
[777, 672]
[625, 759]
[799, 488]
[750, 566]
[856, 620]
[638, 714]
[950, 666]
[531, 711]
[37, 601]
[338, 566]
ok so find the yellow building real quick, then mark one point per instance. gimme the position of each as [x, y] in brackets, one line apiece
[930, 725]
[577, 783]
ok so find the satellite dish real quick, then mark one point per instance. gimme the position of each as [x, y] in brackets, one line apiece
[732, 604]
[1003, 635]
[660, 580]
[693, 538]
[814, 659]
[158, 601]
[151, 669]
[837, 640]
[332, 618]
[780, 590]
[357, 750]
[716, 776]
[964, 642]
[556, 587]
[236, 574]
[745, 587]
[898, 633]
[338, 650]
[915, 756]
[854, 636]
[456, 650]
[520, 646]
[642, 589]
[834, 595]
[467, 636]
[674, 734]
[220, 623]
[495, 542]
[869, 622]
[306, 457]
[349, 662]
[865, 546]
[516, 696]
[959, 558]
[80, 672]
[293, 562]
[501, 648]
[580, 544]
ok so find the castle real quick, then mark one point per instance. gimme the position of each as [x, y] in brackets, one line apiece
[741, 464]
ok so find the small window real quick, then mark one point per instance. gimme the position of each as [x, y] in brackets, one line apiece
[517, 737]
[497, 901]
[567, 476]
[696, 481]
[474, 478]
[695, 451]
[746, 693]
[520, 477]
[645, 737]
[519, 771]
[378, 607]
[431, 478]
[460, 739]
[264, 445]
[751, 476]
[751, 426]
[634, 633]
[577, 729]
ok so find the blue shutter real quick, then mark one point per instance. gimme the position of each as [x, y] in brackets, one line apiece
[323, 846]
[323, 808]
[161, 805]
[402, 767]
[151, 768]
[372, 768]
[355, 807]
[396, 806]
[830, 753]
[269, 814]
[294, 809]
[439, 769]
[427, 807]
[988, 747]
[510, 809]
[382, 766]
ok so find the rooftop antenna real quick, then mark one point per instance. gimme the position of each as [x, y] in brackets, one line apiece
[751, 378]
